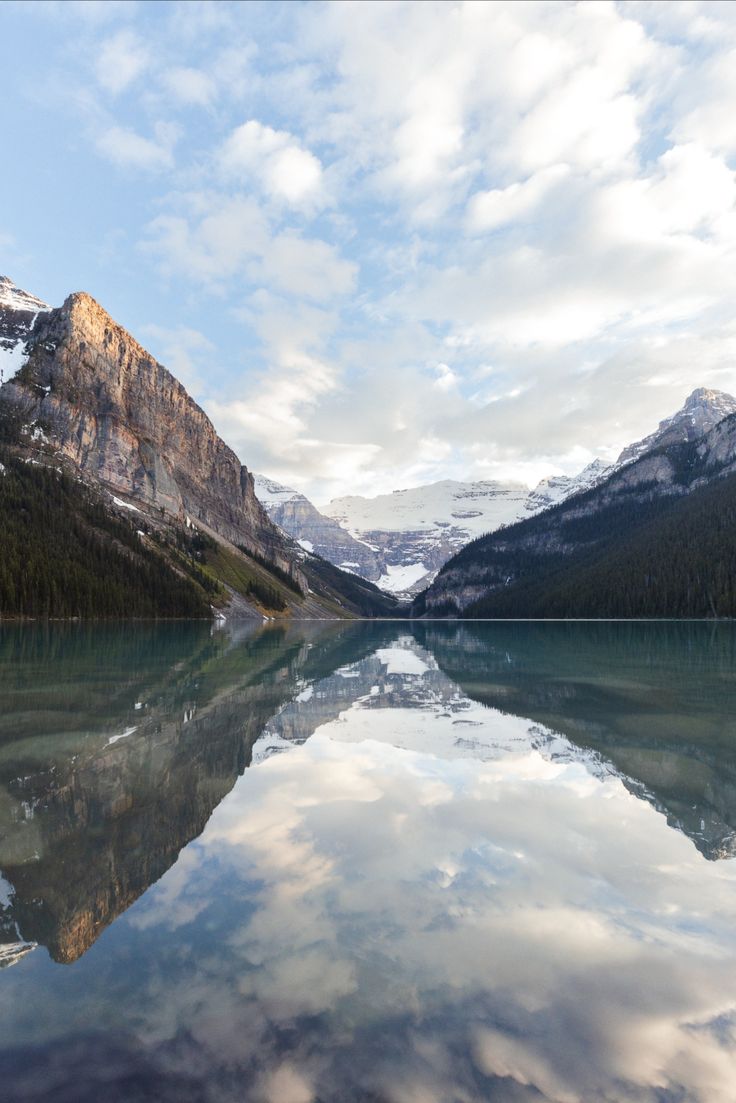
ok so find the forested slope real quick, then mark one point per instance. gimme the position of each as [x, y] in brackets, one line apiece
[655, 539]
[678, 559]
[63, 554]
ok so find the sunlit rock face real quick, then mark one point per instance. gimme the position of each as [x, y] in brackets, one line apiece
[122, 419]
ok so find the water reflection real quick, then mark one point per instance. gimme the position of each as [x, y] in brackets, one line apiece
[468, 862]
[115, 747]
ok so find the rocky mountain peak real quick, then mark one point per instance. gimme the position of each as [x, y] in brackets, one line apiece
[707, 403]
[701, 411]
[315, 532]
[123, 420]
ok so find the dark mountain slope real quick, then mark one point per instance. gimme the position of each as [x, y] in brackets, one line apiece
[677, 560]
[658, 538]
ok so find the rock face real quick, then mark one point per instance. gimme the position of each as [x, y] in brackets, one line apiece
[18, 312]
[124, 421]
[703, 409]
[315, 532]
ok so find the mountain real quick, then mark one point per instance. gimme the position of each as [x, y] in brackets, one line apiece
[417, 530]
[18, 312]
[701, 412]
[556, 488]
[92, 407]
[315, 532]
[655, 538]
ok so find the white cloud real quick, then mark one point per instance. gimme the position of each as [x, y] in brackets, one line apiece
[545, 188]
[488, 210]
[213, 238]
[282, 167]
[306, 267]
[189, 86]
[272, 416]
[210, 240]
[446, 377]
[121, 59]
[128, 149]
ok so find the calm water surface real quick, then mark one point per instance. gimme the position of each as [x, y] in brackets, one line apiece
[381, 863]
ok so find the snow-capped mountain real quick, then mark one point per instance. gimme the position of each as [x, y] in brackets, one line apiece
[401, 540]
[315, 532]
[557, 488]
[18, 311]
[397, 540]
[419, 529]
[702, 410]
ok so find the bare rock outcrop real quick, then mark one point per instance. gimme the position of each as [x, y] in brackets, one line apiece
[123, 420]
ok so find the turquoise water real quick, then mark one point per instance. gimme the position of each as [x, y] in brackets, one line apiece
[368, 862]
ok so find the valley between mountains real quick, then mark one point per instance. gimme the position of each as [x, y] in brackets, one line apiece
[119, 499]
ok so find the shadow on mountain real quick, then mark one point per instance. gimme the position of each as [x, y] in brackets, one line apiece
[655, 700]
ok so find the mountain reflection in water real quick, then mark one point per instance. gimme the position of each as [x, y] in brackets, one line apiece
[368, 861]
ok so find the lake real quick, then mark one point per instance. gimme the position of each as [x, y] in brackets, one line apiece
[368, 862]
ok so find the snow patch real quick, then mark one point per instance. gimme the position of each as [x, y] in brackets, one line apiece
[12, 360]
[7, 892]
[483, 505]
[12, 952]
[17, 299]
[306, 544]
[399, 579]
[125, 505]
[270, 493]
[123, 735]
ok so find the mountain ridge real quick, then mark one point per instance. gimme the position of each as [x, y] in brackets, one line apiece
[614, 550]
[404, 538]
[87, 398]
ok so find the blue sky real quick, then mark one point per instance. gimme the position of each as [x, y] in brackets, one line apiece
[384, 244]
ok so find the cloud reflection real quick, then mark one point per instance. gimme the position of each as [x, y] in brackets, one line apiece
[541, 920]
[426, 899]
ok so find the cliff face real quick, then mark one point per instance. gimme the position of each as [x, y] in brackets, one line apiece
[123, 420]
[315, 532]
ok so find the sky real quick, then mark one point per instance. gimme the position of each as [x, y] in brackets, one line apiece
[384, 244]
